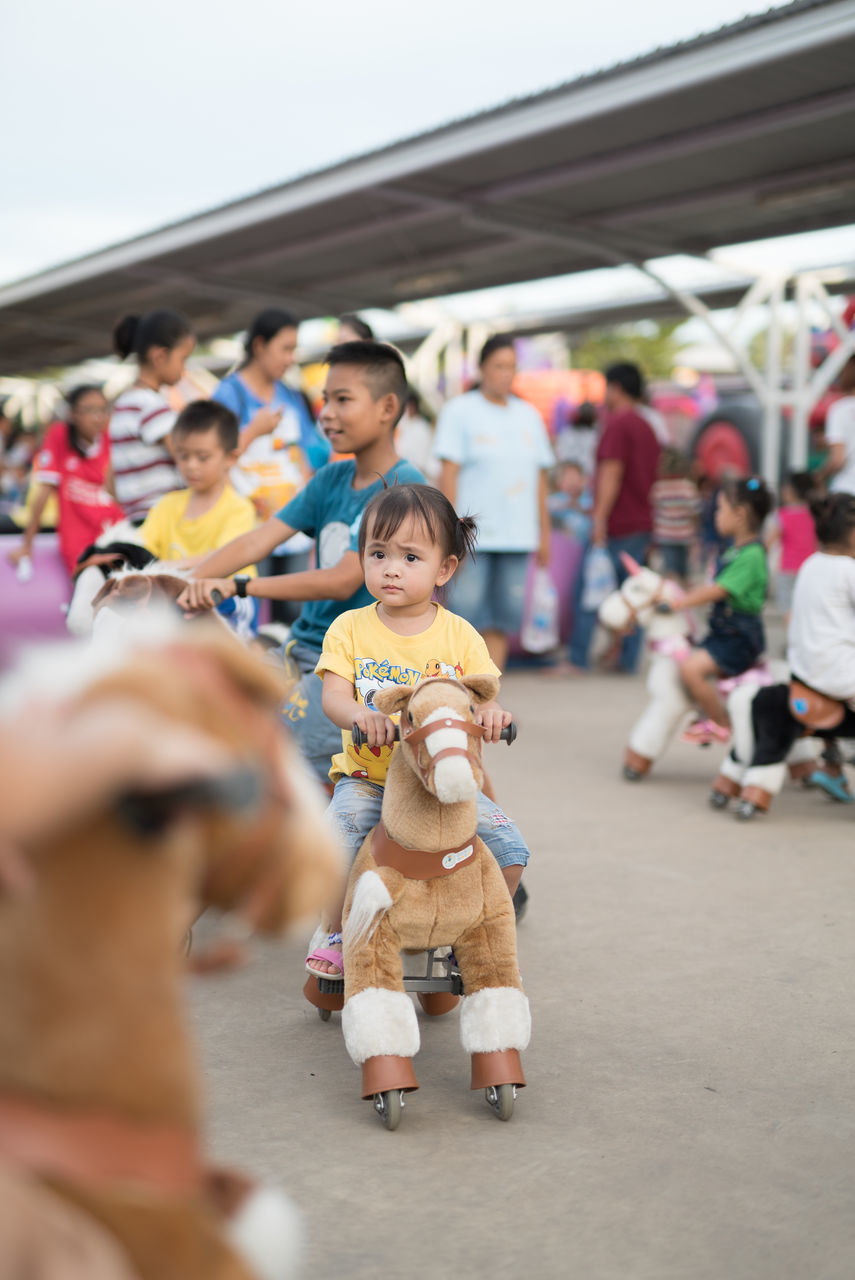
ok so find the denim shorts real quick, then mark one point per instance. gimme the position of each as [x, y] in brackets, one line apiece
[355, 809]
[317, 737]
[489, 590]
[736, 641]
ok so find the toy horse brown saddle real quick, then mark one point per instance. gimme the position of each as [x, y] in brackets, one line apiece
[813, 709]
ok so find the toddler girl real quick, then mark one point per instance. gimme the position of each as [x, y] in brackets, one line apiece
[410, 543]
[736, 639]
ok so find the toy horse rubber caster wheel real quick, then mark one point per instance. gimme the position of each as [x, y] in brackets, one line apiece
[500, 1098]
[389, 1107]
[745, 810]
[632, 775]
[324, 1014]
[718, 800]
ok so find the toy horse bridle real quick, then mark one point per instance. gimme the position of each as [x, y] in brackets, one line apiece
[416, 737]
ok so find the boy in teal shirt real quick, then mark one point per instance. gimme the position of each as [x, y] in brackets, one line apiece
[364, 397]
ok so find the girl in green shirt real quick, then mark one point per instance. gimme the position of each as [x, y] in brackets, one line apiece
[736, 640]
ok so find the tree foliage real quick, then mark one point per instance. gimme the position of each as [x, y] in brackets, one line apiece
[649, 344]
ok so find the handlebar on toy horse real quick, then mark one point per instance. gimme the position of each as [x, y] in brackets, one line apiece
[359, 738]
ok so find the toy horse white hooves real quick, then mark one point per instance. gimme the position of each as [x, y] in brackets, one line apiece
[424, 879]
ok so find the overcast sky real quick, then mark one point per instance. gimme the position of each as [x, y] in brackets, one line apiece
[120, 117]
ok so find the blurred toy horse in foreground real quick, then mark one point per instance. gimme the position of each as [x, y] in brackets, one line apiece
[102, 1170]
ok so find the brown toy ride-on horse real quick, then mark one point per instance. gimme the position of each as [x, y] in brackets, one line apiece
[423, 879]
[100, 1110]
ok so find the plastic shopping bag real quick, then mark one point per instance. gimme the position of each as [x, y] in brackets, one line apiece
[599, 580]
[539, 631]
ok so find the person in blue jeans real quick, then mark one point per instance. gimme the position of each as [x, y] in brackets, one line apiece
[364, 397]
[627, 466]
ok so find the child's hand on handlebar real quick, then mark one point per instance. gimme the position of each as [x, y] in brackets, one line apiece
[199, 595]
[494, 719]
[379, 730]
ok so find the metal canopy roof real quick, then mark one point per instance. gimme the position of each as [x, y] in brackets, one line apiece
[742, 134]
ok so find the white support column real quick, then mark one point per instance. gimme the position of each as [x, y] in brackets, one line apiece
[771, 451]
[801, 404]
[729, 339]
[454, 364]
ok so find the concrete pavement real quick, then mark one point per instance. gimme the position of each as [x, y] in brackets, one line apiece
[690, 1113]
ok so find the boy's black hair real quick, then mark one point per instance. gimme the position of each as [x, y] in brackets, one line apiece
[834, 518]
[385, 514]
[138, 334]
[498, 342]
[628, 377]
[754, 495]
[360, 327]
[803, 484]
[381, 364]
[202, 415]
[266, 325]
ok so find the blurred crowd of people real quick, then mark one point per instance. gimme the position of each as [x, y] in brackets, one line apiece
[609, 478]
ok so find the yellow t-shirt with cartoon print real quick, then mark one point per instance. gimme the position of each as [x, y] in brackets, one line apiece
[360, 648]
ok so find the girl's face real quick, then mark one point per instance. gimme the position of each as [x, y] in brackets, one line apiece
[275, 357]
[167, 363]
[90, 415]
[401, 571]
[730, 521]
[498, 372]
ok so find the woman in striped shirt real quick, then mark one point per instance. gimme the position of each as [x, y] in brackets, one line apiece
[142, 465]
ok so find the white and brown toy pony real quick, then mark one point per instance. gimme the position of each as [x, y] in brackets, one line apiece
[776, 731]
[669, 642]
[102, 1166]
[423, 879]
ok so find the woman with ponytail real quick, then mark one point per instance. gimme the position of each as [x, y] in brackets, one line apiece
[143, 469]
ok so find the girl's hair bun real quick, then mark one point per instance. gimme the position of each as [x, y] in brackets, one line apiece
[125, 335]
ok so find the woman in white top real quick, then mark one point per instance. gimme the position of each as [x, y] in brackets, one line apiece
[496, 457]
[840, 435]
[821, 637]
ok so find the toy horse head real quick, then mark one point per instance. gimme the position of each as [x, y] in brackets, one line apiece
[634, 603]
[440, 739]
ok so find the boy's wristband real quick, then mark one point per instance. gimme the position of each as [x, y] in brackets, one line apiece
[241, 582]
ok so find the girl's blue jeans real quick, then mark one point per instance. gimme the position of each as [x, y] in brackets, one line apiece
[355, 809]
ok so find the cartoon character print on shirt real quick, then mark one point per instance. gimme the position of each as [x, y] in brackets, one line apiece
[435, 668]
[370, 677]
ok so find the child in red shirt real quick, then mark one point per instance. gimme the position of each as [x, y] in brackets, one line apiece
[74, 461]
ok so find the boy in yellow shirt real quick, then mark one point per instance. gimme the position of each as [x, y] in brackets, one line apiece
[188, 524]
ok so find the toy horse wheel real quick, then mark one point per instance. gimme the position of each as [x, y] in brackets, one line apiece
[718, 800]
[745, 810]
[389, 1106]
[500, 1098]
[324, 1014]
[632, 775]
